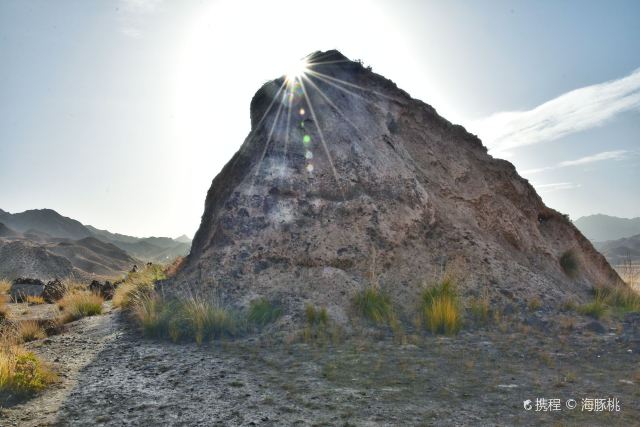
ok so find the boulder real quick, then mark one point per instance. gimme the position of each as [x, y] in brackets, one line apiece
[54, 291]
[105, 290]
[21, 288]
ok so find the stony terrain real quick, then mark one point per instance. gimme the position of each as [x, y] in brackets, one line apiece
[345, 178]
[111, 376]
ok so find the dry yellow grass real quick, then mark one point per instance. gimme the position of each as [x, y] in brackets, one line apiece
[35, 300]
[4, 311]
[137, 285]
[440, 308]
[80, 304]
[30, 330]
[21, 371]
[5, 285]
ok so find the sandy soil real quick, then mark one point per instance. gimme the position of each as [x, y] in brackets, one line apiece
[111, 376]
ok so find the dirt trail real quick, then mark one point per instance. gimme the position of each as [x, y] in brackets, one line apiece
[68, 354]
[114, 377]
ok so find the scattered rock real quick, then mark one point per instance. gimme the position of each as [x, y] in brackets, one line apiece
[105, 290]
[54, 291]
[25, 287]
[596, 327]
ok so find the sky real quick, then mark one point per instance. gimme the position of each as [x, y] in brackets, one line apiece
[120, 113]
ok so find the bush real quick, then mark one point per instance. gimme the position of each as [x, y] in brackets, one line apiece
[373, 305]
[21, 371]
[193, 319]
[80, 304]
[263, 312]
[137, 285]
[569, 263]
[30, 330]
[440, 308]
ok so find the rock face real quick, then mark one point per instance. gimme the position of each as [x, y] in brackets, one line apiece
[344, 178]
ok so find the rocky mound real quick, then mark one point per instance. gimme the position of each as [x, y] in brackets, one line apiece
[25, 259]
[344, 178]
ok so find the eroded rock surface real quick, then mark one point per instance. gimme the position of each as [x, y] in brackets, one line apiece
[343, 168]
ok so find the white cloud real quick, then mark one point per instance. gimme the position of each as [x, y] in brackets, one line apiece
[571, 112]
[605, 155]
[133, 14]
[555, 186]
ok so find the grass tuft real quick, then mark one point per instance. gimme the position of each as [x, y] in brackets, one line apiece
[137, 285]
[440, 308]
[480, 309]
[35, 300]
[192, 319]
[263, 312]
[373, 305]
[5, 286]
[611, 299]
[569, 263]
[80, 304]
[30, 330]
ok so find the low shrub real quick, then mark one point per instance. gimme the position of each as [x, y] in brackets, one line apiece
[263, 312]
[80, 304]
[373, 305]
[440, 308]
[316, 316]
[617, 299]
[21, 371]
[569, 263]
[30, 330]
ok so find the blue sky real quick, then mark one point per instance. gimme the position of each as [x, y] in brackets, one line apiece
[120, 113]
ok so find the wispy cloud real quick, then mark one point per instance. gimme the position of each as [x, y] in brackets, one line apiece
[133, 14]
[555, 186]
[571, 112]
[605, 155]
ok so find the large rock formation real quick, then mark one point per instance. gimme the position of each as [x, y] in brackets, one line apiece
[344, 178]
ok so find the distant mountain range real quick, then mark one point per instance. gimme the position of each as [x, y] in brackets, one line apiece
[616, 238]
[600, 228]
[45, 244]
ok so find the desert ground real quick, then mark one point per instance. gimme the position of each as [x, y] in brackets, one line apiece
[109, 374]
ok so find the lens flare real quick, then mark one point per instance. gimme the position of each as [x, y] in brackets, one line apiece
[296, 70]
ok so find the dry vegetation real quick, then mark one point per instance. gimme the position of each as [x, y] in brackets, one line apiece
[21, 371]
[77, 305]
[616, 300]
[440, 307]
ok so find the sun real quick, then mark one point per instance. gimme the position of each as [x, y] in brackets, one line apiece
[296, 69]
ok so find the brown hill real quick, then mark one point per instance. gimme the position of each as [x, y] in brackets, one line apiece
[344, 169]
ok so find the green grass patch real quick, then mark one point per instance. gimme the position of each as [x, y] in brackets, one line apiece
[192, 319]
[617, 300]
[374, 305]
[262, 312]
